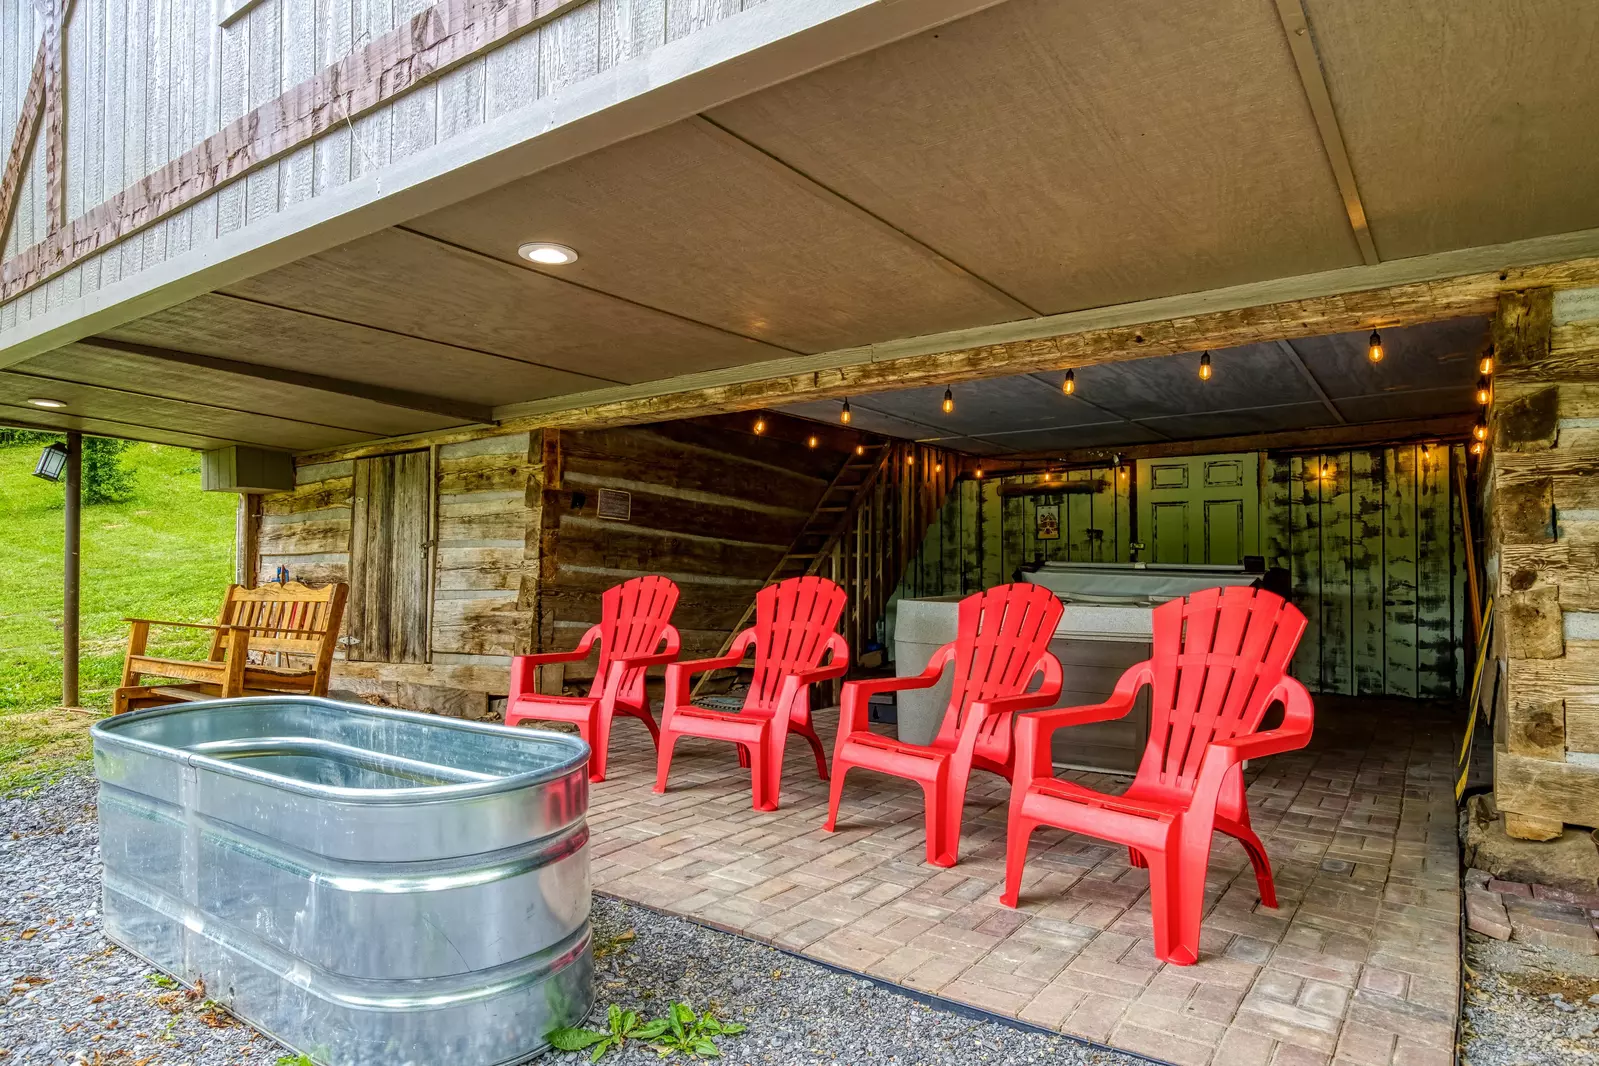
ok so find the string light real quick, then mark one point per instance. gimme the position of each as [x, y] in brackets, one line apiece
[810, 442]
[860, 449]
[978, 473]
[949, 402]
[844, 415]
[1484, 391]
[1426, 454]
[1204, 367]
[1327, 469]
[910, 459]
[760, 425]
[1480, 430]
[1069, 386]
[1374, 350]
[1476, 447]
[1486, 365]
[938, 468]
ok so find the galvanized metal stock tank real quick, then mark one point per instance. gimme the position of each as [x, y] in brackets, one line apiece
[370, 886]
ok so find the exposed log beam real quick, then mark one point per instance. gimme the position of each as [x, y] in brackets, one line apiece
[413, 401]
[798, 179]
[1302, 43]
[1447, 428]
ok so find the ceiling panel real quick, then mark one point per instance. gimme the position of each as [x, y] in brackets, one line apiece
[1170, 385]
[1247, 420]
[1416, 357]
[1013, 403]
[1469, 122]
[1417, 403]
[120, 370]
[412, 284]
[200, 420]
[256, 333]
[681, 220]
[1074, 153]
[26, 416]
[1101, 436]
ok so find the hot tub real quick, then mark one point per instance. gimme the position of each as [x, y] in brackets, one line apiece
[367, 885]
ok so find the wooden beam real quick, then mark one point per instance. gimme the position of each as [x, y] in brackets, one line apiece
[1302, 43]
[798, 179]
[428, 45]
[1449, 428]
[412, 401]
[55, 120]
[22, 139]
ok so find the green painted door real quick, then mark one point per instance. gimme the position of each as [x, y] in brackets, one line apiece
[1203, 510]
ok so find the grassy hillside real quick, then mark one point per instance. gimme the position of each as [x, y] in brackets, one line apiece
[166, 553]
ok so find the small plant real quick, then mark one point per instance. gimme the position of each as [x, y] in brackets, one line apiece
[161, 980]
[621, 1026]
[694, 1036]
[295, 1060]
[680, 1032]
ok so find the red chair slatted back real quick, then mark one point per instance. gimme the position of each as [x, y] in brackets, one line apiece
[1002, 636]
[633, 615]
[1218, 655]
[794, 622]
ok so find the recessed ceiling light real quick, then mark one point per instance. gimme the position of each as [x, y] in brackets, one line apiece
[45, 401]
[547, 254]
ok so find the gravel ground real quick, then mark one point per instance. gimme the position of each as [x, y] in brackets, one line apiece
[70, 997]
[1529, 1006]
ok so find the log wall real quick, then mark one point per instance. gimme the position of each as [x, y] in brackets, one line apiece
[487, 499]
[1543, 525]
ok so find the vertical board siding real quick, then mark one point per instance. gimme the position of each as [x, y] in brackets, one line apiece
[1373, 551]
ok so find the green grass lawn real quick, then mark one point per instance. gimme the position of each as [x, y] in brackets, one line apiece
[166, 553]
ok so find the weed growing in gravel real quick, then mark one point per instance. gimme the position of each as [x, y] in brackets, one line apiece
[680, 1032]
[295, 1060]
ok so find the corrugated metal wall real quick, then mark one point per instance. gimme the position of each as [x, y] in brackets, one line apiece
[1374, 550]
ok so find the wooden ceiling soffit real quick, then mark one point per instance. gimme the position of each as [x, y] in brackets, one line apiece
[810, 186]
[429, 44]
[1262, 312]
[1302, 43]
[413, 401]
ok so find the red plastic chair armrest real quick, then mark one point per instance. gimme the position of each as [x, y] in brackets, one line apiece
[522, 666]
[1034, 731]
[678, 673]
[857, 694]
[1221, 756]
[668, 654]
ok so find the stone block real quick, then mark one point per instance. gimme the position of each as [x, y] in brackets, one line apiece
[1485, 914]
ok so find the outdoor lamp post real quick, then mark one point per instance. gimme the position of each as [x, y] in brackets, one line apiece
[52, 462]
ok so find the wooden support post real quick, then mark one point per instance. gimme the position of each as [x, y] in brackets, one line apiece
[247, 540]
[70, 570]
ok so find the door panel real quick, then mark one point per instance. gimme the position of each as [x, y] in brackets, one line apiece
[1203, 510]
[389, 562]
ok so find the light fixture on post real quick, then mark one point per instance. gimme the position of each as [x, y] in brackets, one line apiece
[1204, 366]
[1069, 385]
[1485, 391]
[949, 402]
[547, 253]
[1374, 350]
[760, 425]
[52, 461]
[1485, 365]
[844, 415]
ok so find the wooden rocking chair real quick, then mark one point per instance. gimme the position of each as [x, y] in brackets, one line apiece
[289, 618]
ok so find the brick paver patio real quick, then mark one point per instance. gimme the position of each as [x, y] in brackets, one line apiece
[1360, 966]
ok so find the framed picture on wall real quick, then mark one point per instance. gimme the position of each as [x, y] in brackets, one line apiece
[1047, 522]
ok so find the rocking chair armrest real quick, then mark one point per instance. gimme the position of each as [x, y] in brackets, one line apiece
[213, 626]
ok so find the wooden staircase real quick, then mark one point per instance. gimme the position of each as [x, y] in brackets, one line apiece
[895, 483]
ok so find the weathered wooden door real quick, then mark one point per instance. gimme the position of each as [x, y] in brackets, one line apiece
[1203, 510]
[389, 568]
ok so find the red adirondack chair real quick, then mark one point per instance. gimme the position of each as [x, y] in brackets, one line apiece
[634, 617]
[1002, 644]
[1220, 662]
[795, 627]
